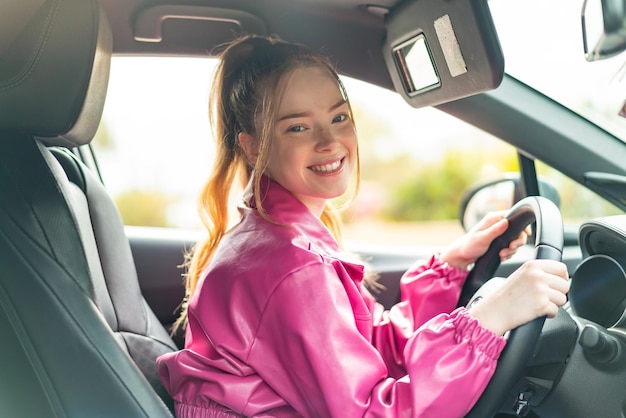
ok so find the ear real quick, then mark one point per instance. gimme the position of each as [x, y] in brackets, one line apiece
[249, 145]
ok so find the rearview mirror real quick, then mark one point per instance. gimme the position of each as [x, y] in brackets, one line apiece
[604, 31]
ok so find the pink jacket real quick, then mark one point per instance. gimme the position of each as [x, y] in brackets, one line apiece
[280, 326]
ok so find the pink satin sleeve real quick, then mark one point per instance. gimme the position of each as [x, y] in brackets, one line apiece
[428, 289]
[311, 348]
[450, 360]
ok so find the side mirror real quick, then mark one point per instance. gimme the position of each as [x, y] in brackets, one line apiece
[604, 28]
[498, 194]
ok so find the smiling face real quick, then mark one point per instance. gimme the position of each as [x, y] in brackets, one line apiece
[313, 151]
[313, 144]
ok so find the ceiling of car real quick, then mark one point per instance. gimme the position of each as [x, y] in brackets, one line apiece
[352, 35]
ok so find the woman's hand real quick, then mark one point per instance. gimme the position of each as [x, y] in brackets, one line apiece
[535, 289]
[467, 249]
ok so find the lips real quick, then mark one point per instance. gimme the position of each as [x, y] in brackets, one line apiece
[328, 167]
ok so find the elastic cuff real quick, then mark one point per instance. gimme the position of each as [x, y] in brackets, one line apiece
[470, 331]
[445, 269]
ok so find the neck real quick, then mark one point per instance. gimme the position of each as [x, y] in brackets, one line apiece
[315, 205]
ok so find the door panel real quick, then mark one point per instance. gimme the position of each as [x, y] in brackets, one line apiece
[158, 254]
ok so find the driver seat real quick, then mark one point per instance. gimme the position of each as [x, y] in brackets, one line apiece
[77, 337]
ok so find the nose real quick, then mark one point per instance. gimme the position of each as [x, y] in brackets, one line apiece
[327, 140]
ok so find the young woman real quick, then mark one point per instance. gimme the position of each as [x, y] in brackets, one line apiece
[278, 320]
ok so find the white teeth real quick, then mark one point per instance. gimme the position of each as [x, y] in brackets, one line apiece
[326, 168]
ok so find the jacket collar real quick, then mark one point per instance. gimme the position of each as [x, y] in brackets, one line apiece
[283, 208]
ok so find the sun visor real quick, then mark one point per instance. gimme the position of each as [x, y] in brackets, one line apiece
[439, 51]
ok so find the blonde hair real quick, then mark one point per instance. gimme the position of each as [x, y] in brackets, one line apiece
[244, 95]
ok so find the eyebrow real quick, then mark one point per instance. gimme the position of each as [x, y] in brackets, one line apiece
[340, 103]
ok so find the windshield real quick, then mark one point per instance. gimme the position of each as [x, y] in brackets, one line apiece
[543, 47]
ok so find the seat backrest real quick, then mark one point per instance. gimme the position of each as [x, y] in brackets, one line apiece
[77, 337]
[113, 275]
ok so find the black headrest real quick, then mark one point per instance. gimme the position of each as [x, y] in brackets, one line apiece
[54, 68]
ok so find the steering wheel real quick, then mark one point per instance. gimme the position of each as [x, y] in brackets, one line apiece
[522, 340]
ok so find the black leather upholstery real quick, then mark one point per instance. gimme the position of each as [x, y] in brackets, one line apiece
[54, 68]
[77, 338]
[113, 275]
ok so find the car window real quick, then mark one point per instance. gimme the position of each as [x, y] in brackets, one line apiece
[577, 203]
[593, 89]
[416, 166]
[153, 144]
[154, 149]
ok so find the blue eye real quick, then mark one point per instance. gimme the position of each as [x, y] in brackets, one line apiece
[296, 128]
[340, 118]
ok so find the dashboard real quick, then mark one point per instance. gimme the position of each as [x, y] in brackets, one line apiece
[598, 287]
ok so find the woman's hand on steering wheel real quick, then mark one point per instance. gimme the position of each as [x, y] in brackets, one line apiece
[522, 300]
[535, 289]
[466, 250]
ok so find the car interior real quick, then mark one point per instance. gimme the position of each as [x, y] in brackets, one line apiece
[84, 308]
